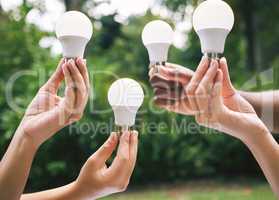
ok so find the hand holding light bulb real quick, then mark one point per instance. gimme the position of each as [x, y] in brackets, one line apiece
[213, 20]
[74, 30]
[125, 97]
[48, 112]
[157, 36]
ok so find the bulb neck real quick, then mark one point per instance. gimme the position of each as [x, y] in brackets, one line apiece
[121, 129]
[124, 116]
[73, 46]
[158, 52]
[213, 40]
[158, 63]
[156, 66]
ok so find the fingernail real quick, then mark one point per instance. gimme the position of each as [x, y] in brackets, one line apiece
[213, 63]
[113, 136]
[71, 61]
[224, 60]
[84, 61]
[64, 67]
[135, 133]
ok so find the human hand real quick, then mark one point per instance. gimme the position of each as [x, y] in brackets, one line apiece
[96, 180]
[169, 85]
[48, 112]
[218, 105]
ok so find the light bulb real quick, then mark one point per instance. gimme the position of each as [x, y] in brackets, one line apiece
[157, 36]
[125, 97]
[74, 30]
[213, 20]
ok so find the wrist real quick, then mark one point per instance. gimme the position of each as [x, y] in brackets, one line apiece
[81, 192]
[256, 137]
[26, 141]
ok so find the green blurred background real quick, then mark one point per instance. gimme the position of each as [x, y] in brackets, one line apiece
[173, 163]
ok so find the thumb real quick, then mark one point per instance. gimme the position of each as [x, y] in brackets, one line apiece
[228, 89]
[99, 158]
[217, 99]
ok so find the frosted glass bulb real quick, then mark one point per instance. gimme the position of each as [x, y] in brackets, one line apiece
[125, 97]
[74, 30]
[213, 20]
[157, 36]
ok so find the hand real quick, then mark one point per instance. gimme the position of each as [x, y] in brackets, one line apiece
[48, 112]
[219, 106]
[96, 180]
[169, 85]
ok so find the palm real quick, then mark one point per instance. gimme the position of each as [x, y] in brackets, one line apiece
[48, 112]
[40, 111]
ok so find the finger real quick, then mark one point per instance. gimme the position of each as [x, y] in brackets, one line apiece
[81, 63]
[133, 150]
[164, 102]
[161, 82]
[54, 81]
[192, 86]
[168, 94]
[80, 87]
[100, 157]
[69, 99]
[217, 101]
[176, 73]
[152, 70]
[203, 92]
[120, 166]
[228, 89]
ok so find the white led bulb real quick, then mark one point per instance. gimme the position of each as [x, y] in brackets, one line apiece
[213, 20]
[125, 97]
[74, 30]
[157, 36]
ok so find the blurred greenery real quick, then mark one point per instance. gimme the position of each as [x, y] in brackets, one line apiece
[116, 48]
[200, 191]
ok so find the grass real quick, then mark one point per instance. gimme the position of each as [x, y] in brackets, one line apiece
[202, 190]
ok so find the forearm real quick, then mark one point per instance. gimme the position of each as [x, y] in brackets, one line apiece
[266, 151]
[266, 104]
[68, 192]
[15, 166]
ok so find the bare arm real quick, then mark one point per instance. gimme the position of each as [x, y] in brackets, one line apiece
[96, 179]
[266, 105]
[266, 151]
[15, 167]
[45, 116]
[66, 192]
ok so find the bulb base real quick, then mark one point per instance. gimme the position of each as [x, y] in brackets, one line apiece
[215, 56]
[158, 52]
[213, 40]
[73, 46]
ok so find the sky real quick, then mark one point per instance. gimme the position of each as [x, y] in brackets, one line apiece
[124, 8]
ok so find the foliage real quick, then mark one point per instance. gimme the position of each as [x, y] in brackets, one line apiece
[117, 49]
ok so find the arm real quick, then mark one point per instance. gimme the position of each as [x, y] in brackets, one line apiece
[266, 151]
[266, 104]
[96, 180]
[15, 166]
[233, 115]
[47, 114]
